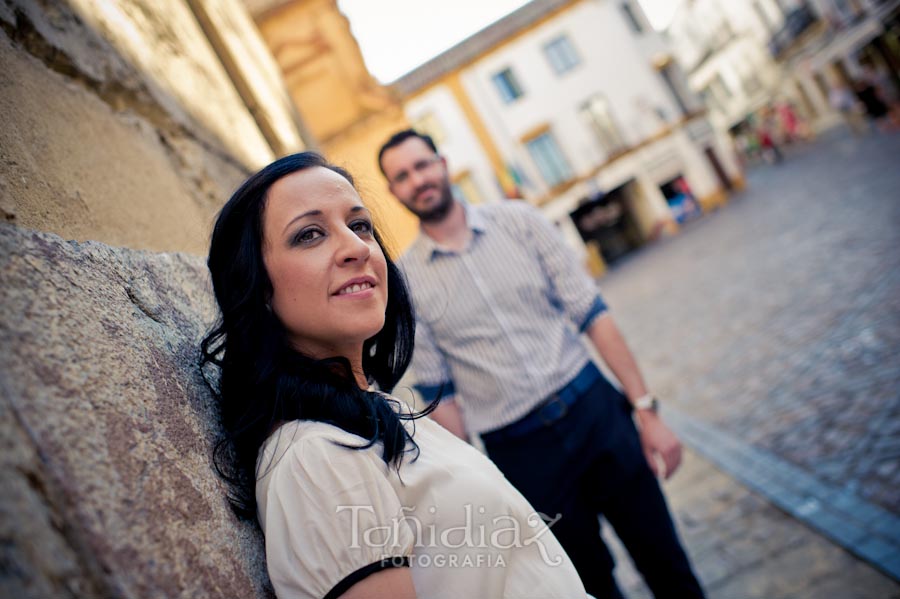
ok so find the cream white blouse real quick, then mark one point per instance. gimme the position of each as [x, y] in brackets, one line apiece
[329, 512]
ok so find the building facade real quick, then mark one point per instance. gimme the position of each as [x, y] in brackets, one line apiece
[743, 54]
[824, 43]
[577, 107]
[723, 47]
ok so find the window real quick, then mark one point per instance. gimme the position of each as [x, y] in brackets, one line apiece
[464, 187]
[671, 76]
[507, 85]
[562, 55]
[595, 113]
[549, 159]
[428, 124]
[721, 88]
[751, 83]
[632, 18]
[718, 92]
[710, 99]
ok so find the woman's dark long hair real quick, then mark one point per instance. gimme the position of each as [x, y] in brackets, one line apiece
[264, 381]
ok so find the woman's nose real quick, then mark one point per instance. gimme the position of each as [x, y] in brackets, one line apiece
[352, 248]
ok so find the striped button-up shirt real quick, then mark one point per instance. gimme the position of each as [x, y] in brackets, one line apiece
[499, 322]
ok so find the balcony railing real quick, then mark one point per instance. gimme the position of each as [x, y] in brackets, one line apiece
[795, 23]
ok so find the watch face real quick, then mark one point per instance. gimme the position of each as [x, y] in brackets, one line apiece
[647, 403]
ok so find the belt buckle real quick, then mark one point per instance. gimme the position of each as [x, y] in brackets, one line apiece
[563, 410]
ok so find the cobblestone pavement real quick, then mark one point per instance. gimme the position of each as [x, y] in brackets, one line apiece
[776, 320]
[742, 547]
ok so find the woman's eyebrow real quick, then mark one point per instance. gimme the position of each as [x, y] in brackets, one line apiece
[304, 215]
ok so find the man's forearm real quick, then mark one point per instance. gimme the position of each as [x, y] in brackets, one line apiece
[611, 346]
[448, 415]
[658, 441]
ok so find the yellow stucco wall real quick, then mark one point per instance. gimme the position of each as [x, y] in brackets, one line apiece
[358, 152]
[347, 112]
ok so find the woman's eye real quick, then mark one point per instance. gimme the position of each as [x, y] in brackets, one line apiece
[307, 236]
[361, 227]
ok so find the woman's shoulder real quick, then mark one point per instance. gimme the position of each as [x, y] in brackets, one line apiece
[308, 442]
[306, 431]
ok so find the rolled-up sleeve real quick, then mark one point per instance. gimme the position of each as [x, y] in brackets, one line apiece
[570, 285]
[430, 368]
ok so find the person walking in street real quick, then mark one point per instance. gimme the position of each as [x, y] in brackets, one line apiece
[844, 101]
[884, 89]
[765, 131]
[876, 109]
[501, 302]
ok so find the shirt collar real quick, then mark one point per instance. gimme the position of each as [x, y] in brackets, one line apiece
[474, 220]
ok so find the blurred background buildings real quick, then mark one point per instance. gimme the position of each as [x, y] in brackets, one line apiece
[148, 114]
[741, 55]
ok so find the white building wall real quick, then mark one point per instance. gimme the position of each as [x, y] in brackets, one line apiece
[611, 65]
[460, 146]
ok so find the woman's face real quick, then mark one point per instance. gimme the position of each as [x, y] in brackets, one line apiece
[329, 275]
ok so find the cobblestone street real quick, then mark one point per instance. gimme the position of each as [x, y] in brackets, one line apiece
[745, 548]
[771, 328]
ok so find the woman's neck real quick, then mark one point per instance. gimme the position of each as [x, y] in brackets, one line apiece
[359, 375]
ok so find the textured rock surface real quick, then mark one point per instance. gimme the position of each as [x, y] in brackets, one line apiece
[121, 122]
[106, 428]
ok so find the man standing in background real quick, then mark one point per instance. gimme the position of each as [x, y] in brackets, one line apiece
[501, 302]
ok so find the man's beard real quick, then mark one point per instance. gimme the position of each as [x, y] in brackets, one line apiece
[439, 211]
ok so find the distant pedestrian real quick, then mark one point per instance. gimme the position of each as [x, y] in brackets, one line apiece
[765, 131]
[870, 99]
[746, 143]
[845, 102]
[883, 83]
[874, 104]
[792, 126]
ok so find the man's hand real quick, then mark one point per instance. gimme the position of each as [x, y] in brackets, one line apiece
[659, 442]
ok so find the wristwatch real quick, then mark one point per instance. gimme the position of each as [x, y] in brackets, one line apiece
[646, 402]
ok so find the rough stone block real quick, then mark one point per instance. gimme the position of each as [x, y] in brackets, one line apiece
[108, 427]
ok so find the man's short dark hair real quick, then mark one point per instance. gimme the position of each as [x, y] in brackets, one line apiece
[398, 138]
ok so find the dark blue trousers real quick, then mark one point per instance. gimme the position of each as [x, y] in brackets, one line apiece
[588, 462]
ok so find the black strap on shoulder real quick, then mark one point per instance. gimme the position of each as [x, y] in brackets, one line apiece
[354, 577]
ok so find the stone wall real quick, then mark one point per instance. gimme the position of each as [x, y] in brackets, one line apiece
[130, 121]
[107, 428]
